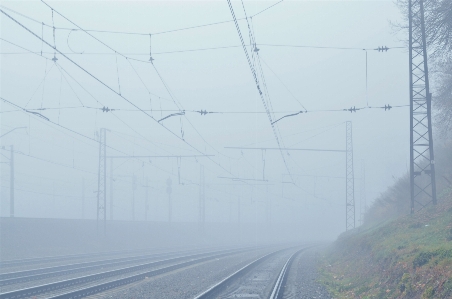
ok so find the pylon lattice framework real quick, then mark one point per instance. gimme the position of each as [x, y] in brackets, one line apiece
[102, 180]
[350, 180]
[422, 167]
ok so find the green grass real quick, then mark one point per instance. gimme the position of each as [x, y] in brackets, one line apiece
[409, 257]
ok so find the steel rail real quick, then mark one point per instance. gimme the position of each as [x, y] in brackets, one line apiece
[33, 291]
[218, 287]
[278, 289]
[41, 273]
[131, 279]
[38, 260]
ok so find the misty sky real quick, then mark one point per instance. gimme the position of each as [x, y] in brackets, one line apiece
[53, 162]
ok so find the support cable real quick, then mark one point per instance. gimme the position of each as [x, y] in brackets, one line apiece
[140, 33]
[104, 84]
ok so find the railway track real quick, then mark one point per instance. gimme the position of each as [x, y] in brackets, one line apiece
[90, 284]
[65, 258]
[48, 272]
[236, 280]
[278, 288]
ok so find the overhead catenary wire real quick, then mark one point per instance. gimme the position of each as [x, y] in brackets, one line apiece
[139, 33]
[91, 75]
[207, 49]
[205, 112]
[256, 81]
[75, 132]
[102, 83]
[285, 86]
[201, 113]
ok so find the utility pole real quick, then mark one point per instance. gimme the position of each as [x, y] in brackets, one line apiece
[83, 198]
[134, 187]
[238, 210]
[202, 199]
[53, 199]
[11, 183]
[268, 209]
[146, 203]
[349, 179]
[422, 160]
[111, 188]
[230, 209]
[169, 182]
[363, 204]
[102, 181]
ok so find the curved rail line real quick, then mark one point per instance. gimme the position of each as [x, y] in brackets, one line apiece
[218, 287]
[51, 287]
[278, 289]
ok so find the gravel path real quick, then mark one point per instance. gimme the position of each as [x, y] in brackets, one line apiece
[185, 283]
[302, 282]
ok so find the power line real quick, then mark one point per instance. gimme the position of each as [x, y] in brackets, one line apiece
[256, 81]
[52, 162]
[266, 9]
[105, 109]
[329, 47]
[205, 112]
[137, 33]
[206, 49]
[285, 149]
[201, 113]
[284, 85]
[68, 166]
[181, 138]
[29, 51]
[36, 192]
[94, 77]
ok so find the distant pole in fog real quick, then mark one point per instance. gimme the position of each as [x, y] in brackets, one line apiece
[268, 208]
[202, 198]
[11, 183]
[169, 182]
[363, 205]
[146, 202]
[134, 185]
[53, 200]
[238, 210]
[83, 198]
[111, 188]
[230, 209]
[102, 181]
[349, 179]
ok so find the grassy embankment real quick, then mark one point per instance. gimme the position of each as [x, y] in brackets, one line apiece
[402, 257]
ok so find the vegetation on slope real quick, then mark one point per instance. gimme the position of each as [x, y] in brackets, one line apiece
[410, 257]
[395, 254]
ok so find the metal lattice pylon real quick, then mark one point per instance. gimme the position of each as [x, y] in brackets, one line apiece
[102, 181]
[422, 167]
[350, 179]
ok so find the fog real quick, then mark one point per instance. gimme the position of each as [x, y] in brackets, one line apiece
[312, 59]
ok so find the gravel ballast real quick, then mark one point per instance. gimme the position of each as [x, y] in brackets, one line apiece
[302, 282]
[188, 282]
